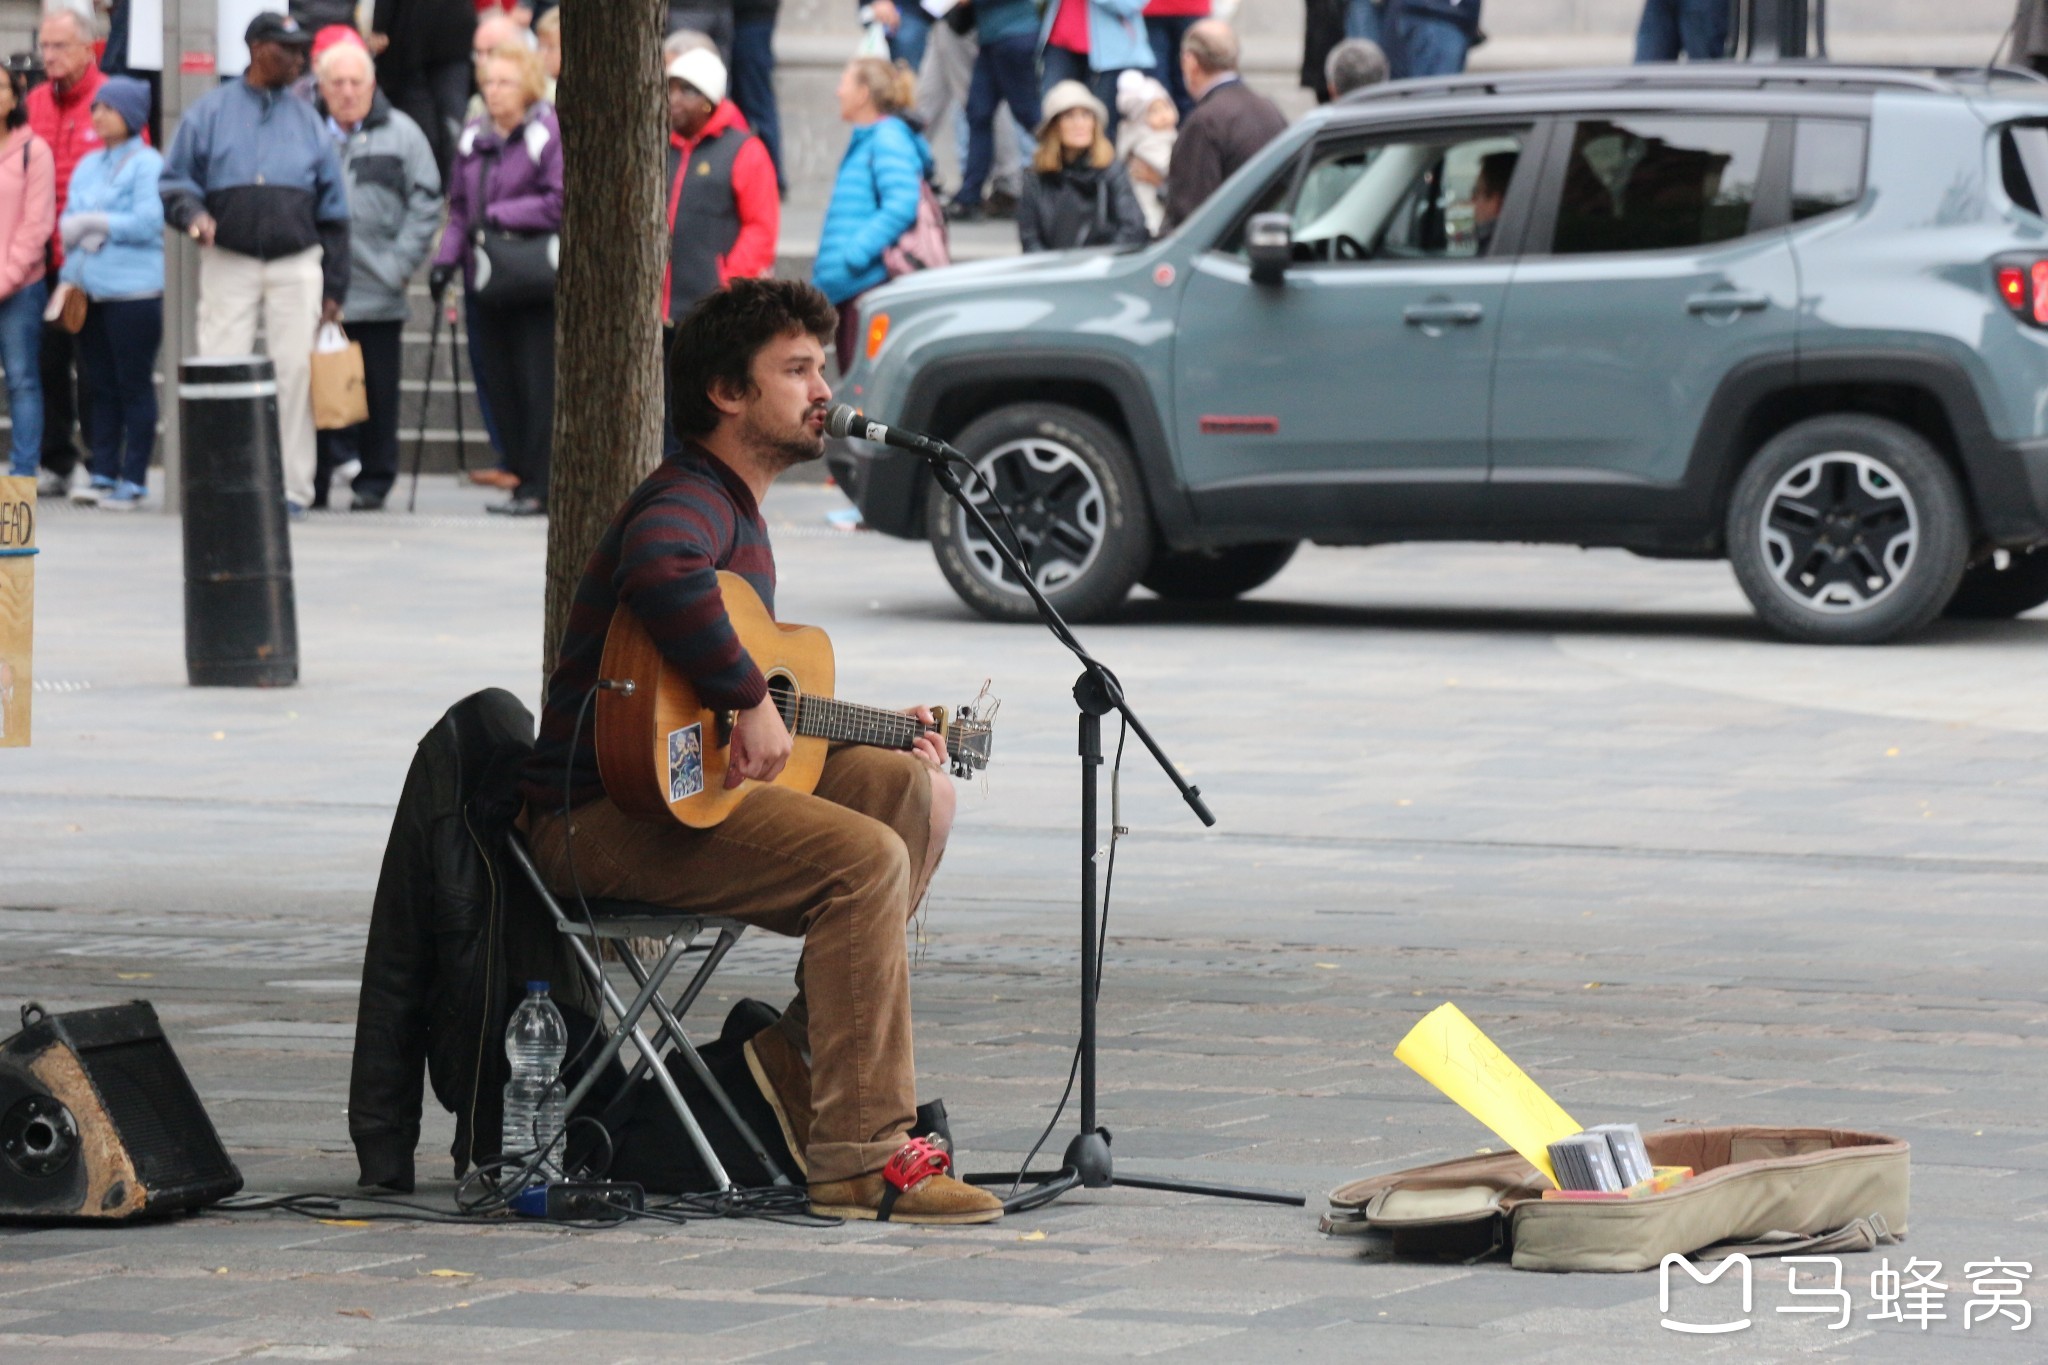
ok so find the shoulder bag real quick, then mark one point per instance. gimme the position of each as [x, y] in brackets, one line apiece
[512, 268]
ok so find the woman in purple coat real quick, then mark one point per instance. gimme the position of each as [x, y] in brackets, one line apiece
[508, 178]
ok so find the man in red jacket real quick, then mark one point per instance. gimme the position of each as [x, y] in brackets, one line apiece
[724, 211]
[60, 112]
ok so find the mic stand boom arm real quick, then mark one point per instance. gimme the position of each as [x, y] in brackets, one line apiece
[1087, 1162]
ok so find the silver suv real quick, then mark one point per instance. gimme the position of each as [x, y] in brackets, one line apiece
[1790, 315]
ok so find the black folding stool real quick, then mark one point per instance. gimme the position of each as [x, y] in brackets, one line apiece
[616, 921]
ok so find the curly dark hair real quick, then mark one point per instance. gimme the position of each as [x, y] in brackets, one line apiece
[719, 339]
[17, 81]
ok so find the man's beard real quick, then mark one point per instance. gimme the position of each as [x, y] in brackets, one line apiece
[785, 448]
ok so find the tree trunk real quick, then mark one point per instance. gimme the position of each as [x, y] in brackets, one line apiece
[608, 383]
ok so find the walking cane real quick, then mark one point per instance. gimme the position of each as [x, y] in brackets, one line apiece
[419, 444]
[455, 342]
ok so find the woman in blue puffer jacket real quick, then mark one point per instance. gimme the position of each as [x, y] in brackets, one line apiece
[874, 200]
[113, 231]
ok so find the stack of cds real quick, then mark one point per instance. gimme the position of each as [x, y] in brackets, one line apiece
[1631, 1157]
[1585, 1161]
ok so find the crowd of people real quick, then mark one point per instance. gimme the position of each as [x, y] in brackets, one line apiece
[313, 198]
[345, 159]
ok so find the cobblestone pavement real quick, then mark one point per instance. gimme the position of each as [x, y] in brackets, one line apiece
[1679, 871]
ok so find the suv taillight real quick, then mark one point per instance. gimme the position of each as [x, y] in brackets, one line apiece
[2023, 284]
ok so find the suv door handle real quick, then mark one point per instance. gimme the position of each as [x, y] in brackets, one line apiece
[1442, 314]
[1727, 301]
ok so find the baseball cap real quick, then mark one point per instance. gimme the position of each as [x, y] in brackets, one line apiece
[276, 28]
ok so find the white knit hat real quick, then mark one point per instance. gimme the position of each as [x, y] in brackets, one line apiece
[1068, 95]
[701, 70]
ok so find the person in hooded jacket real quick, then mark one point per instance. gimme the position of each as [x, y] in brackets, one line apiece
[875, 196]
[113, 233]
[394, 206]
[1078, 193]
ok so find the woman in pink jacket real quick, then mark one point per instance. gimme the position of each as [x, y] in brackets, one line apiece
[28, 212]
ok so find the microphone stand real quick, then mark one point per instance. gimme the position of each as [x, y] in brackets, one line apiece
[1087, 1163]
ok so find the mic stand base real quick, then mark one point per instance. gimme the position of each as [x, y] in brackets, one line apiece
[1087, 1165]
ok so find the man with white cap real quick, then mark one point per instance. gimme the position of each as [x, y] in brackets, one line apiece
[724, 212]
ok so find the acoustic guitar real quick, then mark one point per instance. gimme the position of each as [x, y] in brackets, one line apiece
[661, 751]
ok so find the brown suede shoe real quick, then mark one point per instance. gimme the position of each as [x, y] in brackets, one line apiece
[785, 1081]
[937, 1199]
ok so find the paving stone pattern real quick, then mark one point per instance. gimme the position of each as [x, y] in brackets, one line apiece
[1681, 872]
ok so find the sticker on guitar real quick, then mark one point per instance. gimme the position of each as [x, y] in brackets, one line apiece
[685, 762]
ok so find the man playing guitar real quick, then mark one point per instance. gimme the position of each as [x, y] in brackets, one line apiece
[844, 867]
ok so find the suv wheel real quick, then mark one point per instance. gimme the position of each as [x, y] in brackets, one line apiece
[1990, 592]
[1071, 487]
[1847, 530]
[1216, 575]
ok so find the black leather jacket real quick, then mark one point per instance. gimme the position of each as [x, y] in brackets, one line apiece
[451, 937]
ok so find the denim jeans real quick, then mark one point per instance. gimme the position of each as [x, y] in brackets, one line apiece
[21, 343]
[1430, 46]
[1165, 31]
[118, 351]
[1059, 64]
[1697, 28]
[913, 30]
[1005, 72]
[1366, 19]
[753, 85]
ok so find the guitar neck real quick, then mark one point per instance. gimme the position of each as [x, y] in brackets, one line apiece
[846, 722]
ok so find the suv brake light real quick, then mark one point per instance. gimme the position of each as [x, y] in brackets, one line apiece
[2023, 284]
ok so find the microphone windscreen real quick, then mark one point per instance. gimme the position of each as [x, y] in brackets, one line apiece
[840, 419]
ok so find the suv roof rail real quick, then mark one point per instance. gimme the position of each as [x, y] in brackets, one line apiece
[1695, 76]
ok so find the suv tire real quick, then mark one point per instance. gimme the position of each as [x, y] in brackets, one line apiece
[1989, 593]
[1216, 575]
[1072, 488]
[1848, 529]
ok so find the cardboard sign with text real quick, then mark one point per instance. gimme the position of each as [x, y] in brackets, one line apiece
[17, 606]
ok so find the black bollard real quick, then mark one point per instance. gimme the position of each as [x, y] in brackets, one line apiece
[241, 629]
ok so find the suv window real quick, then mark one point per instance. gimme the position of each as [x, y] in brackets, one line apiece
[1827, 167]
[1652, 183]
[1436, 196]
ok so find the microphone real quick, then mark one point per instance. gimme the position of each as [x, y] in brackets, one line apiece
[844, 420]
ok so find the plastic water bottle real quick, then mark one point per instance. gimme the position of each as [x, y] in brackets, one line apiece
[535, 1042]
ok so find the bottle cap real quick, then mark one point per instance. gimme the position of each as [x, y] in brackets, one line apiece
[536, 988]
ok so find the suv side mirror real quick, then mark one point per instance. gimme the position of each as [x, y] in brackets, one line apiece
[1269, 242]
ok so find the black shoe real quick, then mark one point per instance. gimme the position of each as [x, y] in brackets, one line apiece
[957, 212]
[1001, 205]
[519, 507]
[367, 502]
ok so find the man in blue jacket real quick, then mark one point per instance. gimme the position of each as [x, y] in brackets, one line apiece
[253, 177]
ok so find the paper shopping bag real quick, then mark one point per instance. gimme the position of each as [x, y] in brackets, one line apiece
[339, 398]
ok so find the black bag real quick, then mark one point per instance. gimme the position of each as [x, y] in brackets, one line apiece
[650, 1147]
[512, 268]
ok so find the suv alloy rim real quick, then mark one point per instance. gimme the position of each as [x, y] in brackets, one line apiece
[1056, 502]
[1839, 530]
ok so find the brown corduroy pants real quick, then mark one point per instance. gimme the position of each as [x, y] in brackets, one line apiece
[841, 868]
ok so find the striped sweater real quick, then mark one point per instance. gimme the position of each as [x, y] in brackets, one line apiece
[661, 555]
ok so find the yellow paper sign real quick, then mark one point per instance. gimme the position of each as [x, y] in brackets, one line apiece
[17, 605]
[1448, 1050]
